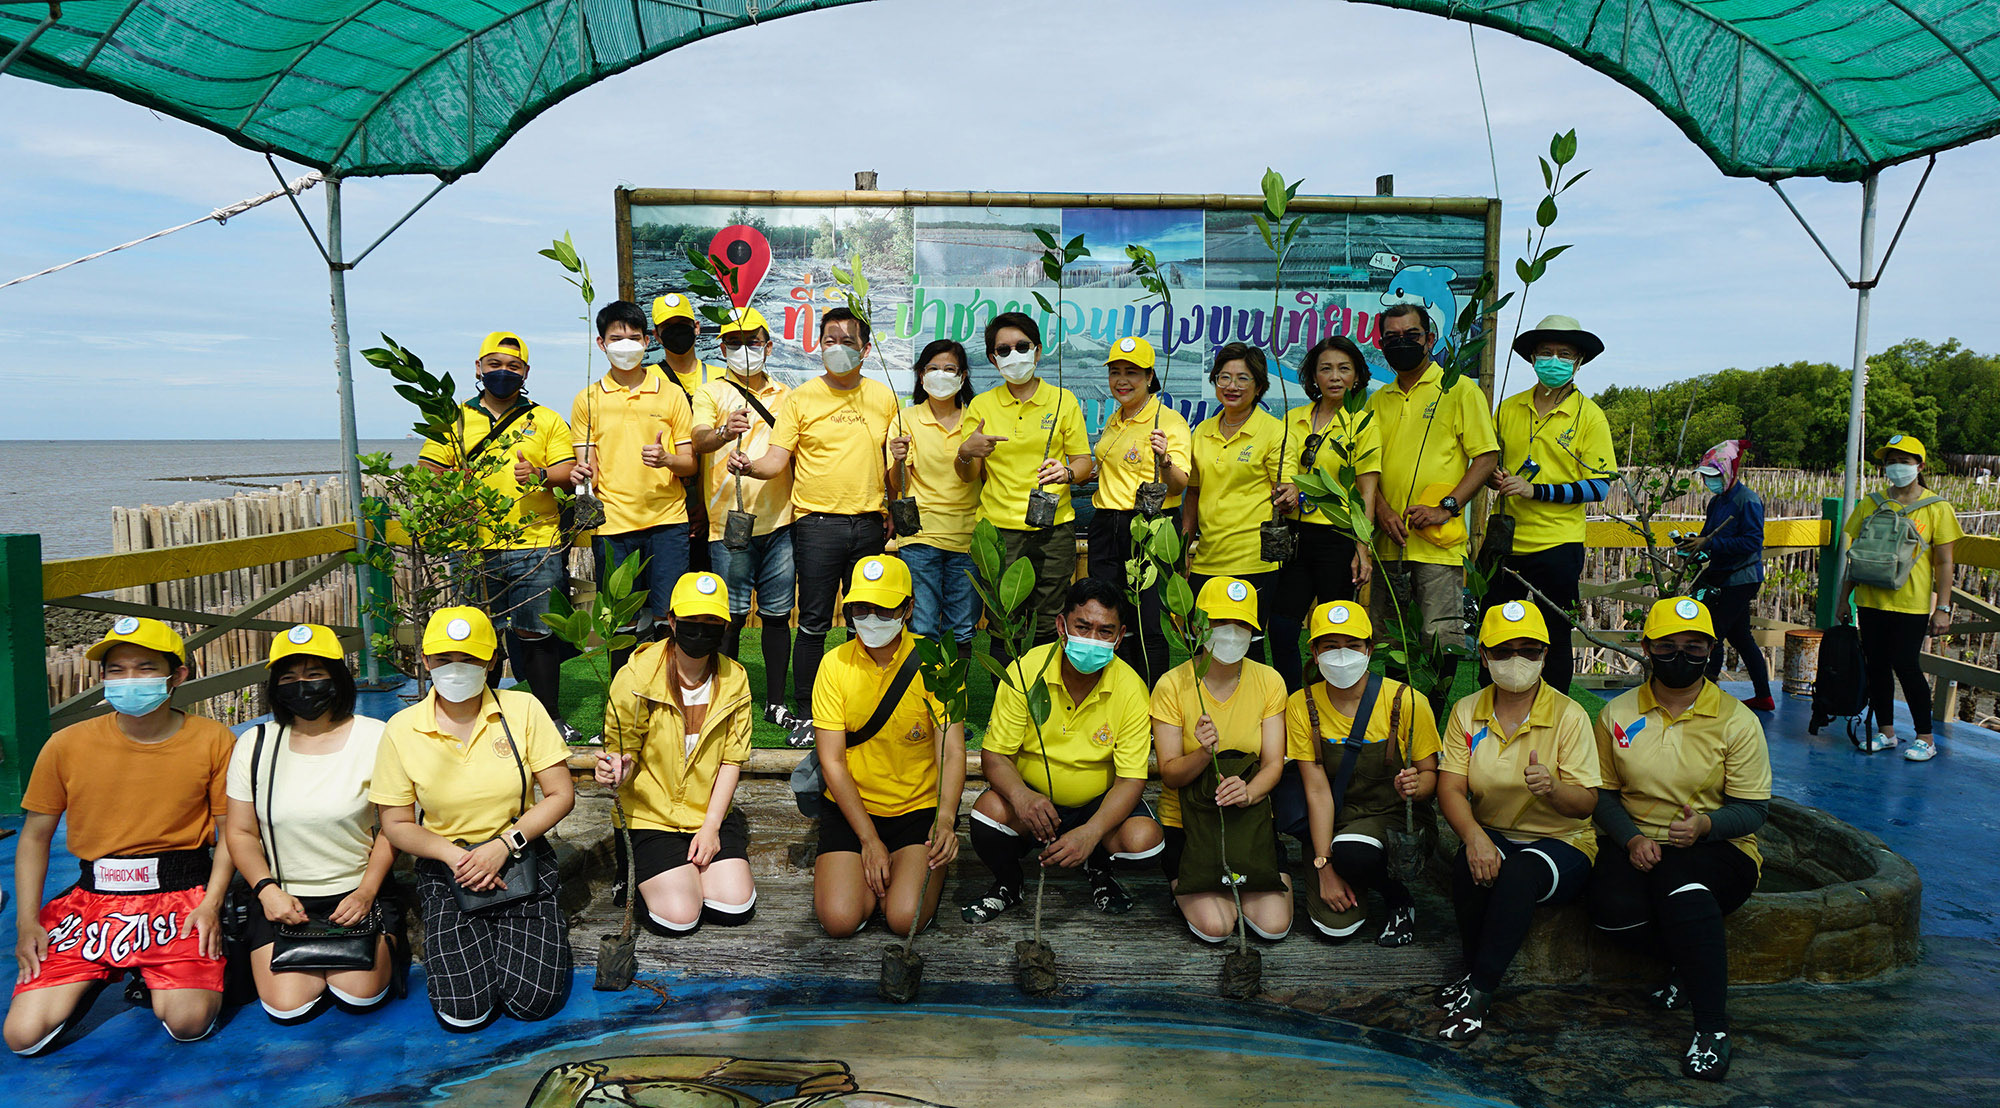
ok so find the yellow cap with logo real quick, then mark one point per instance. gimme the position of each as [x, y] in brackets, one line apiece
[700, 594]
[1229, 598]
[504, 342]
[1132, 349]
[310, 639]
[881, 580]
[139, 631]
[1908, 444]
[1676, 614]
[1512, 620]
[672, 306]
[1340, 617]
[461, 630]
[748, 321]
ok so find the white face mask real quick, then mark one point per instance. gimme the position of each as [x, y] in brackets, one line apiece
[1017, 366]
[1900, 474]
[840, 360]
[625, 353]
[1342, 667]
[941, 383]
[876, 631]
[459, 681]
[1515, 674]
[745, 361]
[1228, 645]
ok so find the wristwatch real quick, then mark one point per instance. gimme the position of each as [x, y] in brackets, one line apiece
[516, 842]
[1449, 504]
[1319, 862]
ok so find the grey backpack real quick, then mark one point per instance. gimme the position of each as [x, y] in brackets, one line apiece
[1887, 544]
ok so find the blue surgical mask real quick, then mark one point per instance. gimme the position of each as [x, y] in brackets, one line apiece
[1088, 655]
[1714, 482]
[1900, 474]
[1555, 372]
[501, 383]
[136, 696]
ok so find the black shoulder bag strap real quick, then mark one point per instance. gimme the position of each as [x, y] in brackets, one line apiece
[519, 759]
[269, 831]
[498, 428]
[890, 698]
[1351, 748]
[763, 413]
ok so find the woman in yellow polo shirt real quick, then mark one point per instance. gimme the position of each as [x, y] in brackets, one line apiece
[1896, 621]
[926, 438]
[1686, 783]
[1142, 441]
[894, 790]
[1238, 468]
[1324, 439]
[1363, 744]
[677, 726]
[495, 938]
[1206, 721]
[1518, 785]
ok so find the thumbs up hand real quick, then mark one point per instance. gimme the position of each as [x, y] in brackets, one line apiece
[1540, 781]
[523, 472]
[654, 453]
[1689, 828]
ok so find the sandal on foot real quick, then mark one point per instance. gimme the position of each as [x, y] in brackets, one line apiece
[1466, 1018]
[1109, 897]
[998, 899]
[1401, 930]
[1707, 1057]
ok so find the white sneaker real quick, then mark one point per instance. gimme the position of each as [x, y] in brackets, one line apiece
[1879, 742]
[1922, 750]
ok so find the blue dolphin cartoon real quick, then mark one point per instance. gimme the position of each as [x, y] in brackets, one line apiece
[1428, 287]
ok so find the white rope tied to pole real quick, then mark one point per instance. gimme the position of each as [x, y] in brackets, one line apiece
[219, 215]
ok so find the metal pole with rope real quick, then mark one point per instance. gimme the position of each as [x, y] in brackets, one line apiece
[1864, 284]
[350, 444]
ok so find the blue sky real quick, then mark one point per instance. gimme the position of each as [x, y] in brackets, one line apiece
[221, 332]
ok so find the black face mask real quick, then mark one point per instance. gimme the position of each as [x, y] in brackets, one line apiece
[698, 640]
[1677, 670]
[1404, 353]
[501, 383]
[305, 699]
[677, 338]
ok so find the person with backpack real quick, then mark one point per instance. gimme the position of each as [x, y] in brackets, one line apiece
[1732, 538]
[1898, 575]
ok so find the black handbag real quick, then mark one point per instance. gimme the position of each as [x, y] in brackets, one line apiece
[522, 871]
[318, 945]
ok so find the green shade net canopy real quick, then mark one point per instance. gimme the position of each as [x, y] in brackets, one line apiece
[1767, 88]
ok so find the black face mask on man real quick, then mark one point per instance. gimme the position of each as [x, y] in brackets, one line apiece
[501, 383]
[1679, 669]
[698, 640]
[677, 338]
[305, 699]
[1404, 352]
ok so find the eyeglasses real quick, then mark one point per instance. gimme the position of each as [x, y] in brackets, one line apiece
[1003, 349]
[736, 341]
[1697, 652]
[1502, 653]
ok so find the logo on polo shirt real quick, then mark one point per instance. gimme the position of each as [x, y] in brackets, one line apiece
[1101, 737]
[1625, 735]
[1472, 739]
[504, 747]
[1049, 420]
[1244, 455]
[917, 733]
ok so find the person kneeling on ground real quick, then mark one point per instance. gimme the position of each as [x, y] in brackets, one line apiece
[894, 768]
[677, 725]
[303, 834]
[1071, 788]
[1518, 787]
[1215, 795]
[142, 793]
[494, 933]
[1375, 738]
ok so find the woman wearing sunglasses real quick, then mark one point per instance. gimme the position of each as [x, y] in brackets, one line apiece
[1518, 785]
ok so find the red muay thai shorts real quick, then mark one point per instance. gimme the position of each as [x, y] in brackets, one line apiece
[130, 914]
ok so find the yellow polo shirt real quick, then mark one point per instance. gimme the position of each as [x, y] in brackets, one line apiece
[1239, 720]
[621, 423]
[1125, 454]
[770, 501]
[1349, 438]
[692, 381]
[466, 793]
[1026, 425]
[1557, 731]
[1233, 478]
[949, 503]
[1428, 438]
[1416, 729]
[1658, 763]
[1572, 443]
[836, 438]
[1937, 523]
[543, 438]
[669, 790]
[897, 770]
[1090, 743]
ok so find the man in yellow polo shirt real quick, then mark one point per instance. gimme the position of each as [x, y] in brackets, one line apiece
[523, 451]
[832, 436]
[677, 328]
[1555, 457]
[1438, 448]
[1073, 788]
[635, 430]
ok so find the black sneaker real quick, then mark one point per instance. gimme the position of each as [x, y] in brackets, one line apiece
[1448, 996]
[1667, 996]
[1401, 930]
[1707, 1057]
[573, 737]
[1465, 1020]
[1105, 892]
[998, 899]
[776, 713]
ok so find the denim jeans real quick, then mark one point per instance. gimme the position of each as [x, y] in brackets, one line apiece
[825, 548]
[665, 549]
[764, 567]
[944, 596]
[514, 586]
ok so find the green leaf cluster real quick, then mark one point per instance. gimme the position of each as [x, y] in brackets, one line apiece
[711, 279]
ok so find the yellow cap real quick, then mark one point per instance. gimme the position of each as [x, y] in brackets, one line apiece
[139, 631]
[1340, 617]
[1132, 349]
[1908, 444]
[700, 594]
[881, 580]
[747, 320]
[1512, 620]
[672, 306]
[310, 639]
[463, 631]
[1229, 598]
[1447, 534]
[1676, 614]
[491, 345]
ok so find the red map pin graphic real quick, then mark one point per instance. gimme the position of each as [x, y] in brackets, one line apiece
[749, 251]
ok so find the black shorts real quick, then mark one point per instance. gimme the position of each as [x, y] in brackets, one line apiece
[896, 832]
[658, 852]
[261, 932]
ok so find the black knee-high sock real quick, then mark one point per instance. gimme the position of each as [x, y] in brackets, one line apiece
[537, 662]
[1469, 901]
[732, 639]
[777, 635]
[1523, 882]
[1001, 852]
[1691, 928]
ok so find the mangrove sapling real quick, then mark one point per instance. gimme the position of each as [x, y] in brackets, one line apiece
[1043, 504]
[1278, 232]
[1151, 496]
[905, 518]
[586, 510]
[711, 278]
[945, 671]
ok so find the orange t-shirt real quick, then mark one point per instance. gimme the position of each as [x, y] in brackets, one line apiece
[124, 798]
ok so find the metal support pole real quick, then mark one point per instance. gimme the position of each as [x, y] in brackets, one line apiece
[1864, 284]
[24, 703]
[350, 445]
